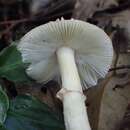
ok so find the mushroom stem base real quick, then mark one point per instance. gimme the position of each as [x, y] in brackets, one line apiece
[75, 115]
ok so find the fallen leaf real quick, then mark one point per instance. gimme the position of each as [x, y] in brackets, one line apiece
[28, 113]
[107, 104]
[4, 105]
[11, 66]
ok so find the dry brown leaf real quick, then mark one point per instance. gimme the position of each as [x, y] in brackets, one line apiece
[86, 8]
[108, 101]
[107, 105]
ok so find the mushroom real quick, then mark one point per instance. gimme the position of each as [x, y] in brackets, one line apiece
[78, 51]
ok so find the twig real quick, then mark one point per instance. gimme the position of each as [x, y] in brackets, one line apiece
[8, 29]
[120, 67]
[11, 24]
[15, 21]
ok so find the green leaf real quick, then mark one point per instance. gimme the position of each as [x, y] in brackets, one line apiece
[4, 105]
[2, 127]
[28, 113]
[11, 65]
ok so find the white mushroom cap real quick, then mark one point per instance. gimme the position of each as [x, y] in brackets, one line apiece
[92, 46]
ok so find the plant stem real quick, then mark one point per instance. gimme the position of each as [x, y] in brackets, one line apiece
[75, 114]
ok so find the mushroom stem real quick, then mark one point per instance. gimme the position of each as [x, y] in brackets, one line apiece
[75, 114]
